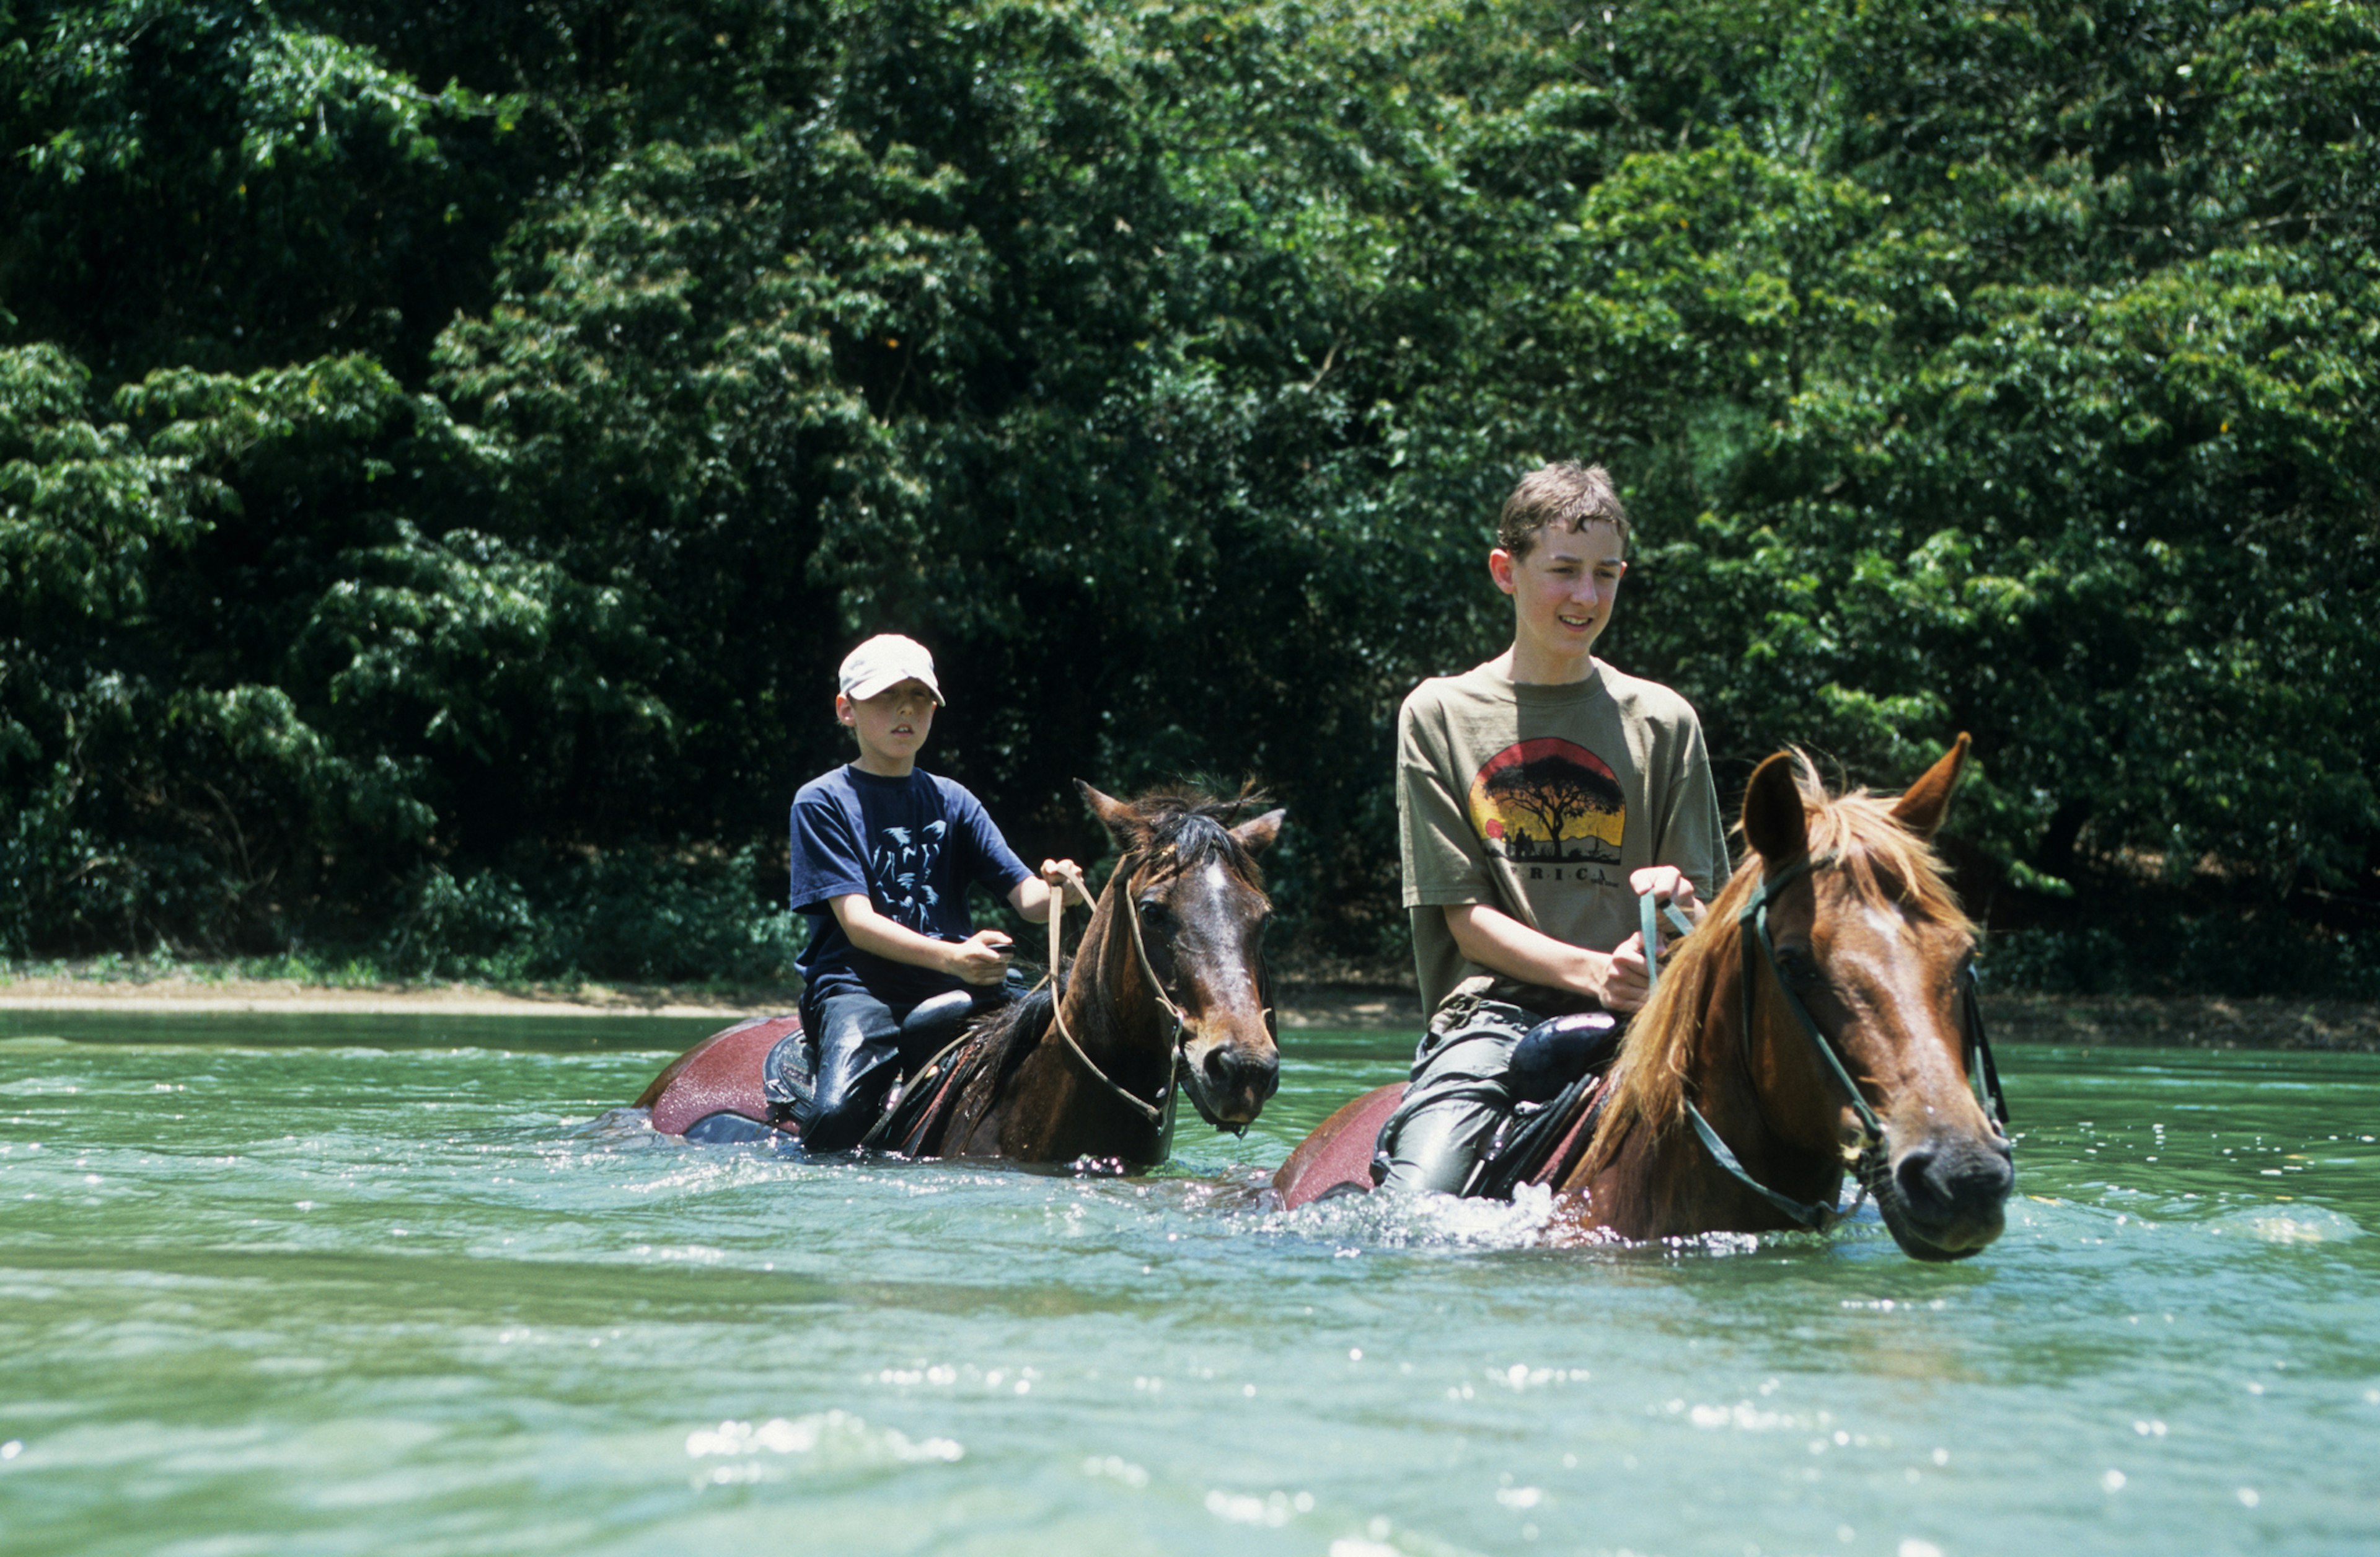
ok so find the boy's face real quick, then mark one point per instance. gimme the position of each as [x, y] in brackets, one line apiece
[891, 726]
[1564, 589]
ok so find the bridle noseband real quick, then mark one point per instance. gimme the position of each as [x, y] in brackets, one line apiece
[1868, 1161]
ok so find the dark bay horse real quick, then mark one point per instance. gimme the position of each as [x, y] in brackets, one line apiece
[1167, 994]
[1821, 1020]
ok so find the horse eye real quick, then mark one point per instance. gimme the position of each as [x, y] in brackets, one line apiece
[1797, 968]
[1152, 913]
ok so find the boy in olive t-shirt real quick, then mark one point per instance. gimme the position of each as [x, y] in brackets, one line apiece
[1537, 796]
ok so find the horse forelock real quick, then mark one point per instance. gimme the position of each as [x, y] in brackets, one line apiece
[1884, 863]
[1179, 830]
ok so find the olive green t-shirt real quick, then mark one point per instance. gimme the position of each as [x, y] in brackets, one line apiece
[1540, 800]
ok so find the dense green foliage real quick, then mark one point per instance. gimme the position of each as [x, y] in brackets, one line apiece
[445, 449]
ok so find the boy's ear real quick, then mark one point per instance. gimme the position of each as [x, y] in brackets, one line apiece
[1257, 834]
[1774, 822]
[1922, 804]
[1113, 814]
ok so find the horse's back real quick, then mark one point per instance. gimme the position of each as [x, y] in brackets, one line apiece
[1337, 1158]
[725, 1073]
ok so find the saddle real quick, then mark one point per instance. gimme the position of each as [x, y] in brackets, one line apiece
[921, 1106]
[739, 1086]
[918, 1108]
[1557, 1074]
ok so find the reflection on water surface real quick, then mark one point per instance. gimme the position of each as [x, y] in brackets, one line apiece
[287, 1285]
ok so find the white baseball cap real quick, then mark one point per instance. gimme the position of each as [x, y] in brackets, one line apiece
[886, 661]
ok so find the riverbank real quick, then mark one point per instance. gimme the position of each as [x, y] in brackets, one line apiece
[1337, 1006]
[188, 994]
[2087, 1021]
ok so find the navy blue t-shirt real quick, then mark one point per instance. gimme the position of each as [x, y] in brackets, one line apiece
[912, 845]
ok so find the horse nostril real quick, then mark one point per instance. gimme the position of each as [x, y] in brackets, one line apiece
[1942, 1183]
[1230, 1070]
[1914, 1176]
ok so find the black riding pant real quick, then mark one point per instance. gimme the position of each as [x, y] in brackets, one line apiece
[1458, 1095]
[856, 1046]
[1480, 1060]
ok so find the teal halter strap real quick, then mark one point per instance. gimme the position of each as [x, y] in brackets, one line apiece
[1755, 920]
[1646, 917]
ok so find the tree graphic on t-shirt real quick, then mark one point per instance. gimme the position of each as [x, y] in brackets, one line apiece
[1553, 791]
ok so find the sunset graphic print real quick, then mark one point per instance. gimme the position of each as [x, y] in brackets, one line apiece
[1549, 802]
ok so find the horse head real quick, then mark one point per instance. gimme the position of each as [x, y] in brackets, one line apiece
[1197, 909]
[1869, 945]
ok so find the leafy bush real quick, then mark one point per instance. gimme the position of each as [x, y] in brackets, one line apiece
[637, 914]
[403, 489]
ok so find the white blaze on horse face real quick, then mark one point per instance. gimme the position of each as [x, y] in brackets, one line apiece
[1230, 980]
[1894, 987]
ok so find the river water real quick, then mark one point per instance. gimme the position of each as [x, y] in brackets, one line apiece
[275, 1284]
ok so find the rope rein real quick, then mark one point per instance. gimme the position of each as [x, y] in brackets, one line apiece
[1158, 1115]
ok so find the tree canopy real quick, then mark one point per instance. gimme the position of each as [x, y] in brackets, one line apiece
[445, 449]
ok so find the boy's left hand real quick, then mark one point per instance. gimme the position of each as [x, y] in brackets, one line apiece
[1064, 875]
[1668, 884]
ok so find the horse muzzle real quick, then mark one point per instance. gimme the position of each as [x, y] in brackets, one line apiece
[1229, 1081]
[1944, 1196]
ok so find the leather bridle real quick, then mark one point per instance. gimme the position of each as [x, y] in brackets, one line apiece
[1983, 1074]
[1157, 1116]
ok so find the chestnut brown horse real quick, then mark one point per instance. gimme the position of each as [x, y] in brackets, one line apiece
[1167, 994]
[1822, 1019]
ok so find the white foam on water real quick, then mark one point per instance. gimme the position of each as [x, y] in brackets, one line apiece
[833, 1438]
[2287, 1225]
[1272, 1511]
[1417, 1221]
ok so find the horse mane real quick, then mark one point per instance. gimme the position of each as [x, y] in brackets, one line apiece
[1176, 827]
[1005, 1037]
[1885, 862]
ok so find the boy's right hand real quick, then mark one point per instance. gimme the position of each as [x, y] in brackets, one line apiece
[1627, 983]
[981, 958]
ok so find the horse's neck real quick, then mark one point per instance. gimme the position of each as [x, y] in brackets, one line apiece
[1659, 1180]
[1049, 1107]
[1111, 1014]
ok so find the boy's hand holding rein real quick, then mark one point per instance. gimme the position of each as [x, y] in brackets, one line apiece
[1668, 884]
[1031, 897]
[982, 958]
[1627, 982]
[1066, 875]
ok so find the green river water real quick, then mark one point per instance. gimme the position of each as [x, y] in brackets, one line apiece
[280, 1284]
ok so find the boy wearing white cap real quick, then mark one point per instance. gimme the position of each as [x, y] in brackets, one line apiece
[883, 855]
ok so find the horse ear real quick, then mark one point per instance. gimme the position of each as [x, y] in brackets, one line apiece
[1113, 814]
[1921, 807]
[1774, 822]
[1257, 834]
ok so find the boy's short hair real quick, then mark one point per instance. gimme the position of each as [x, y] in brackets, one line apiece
[1571, 496]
